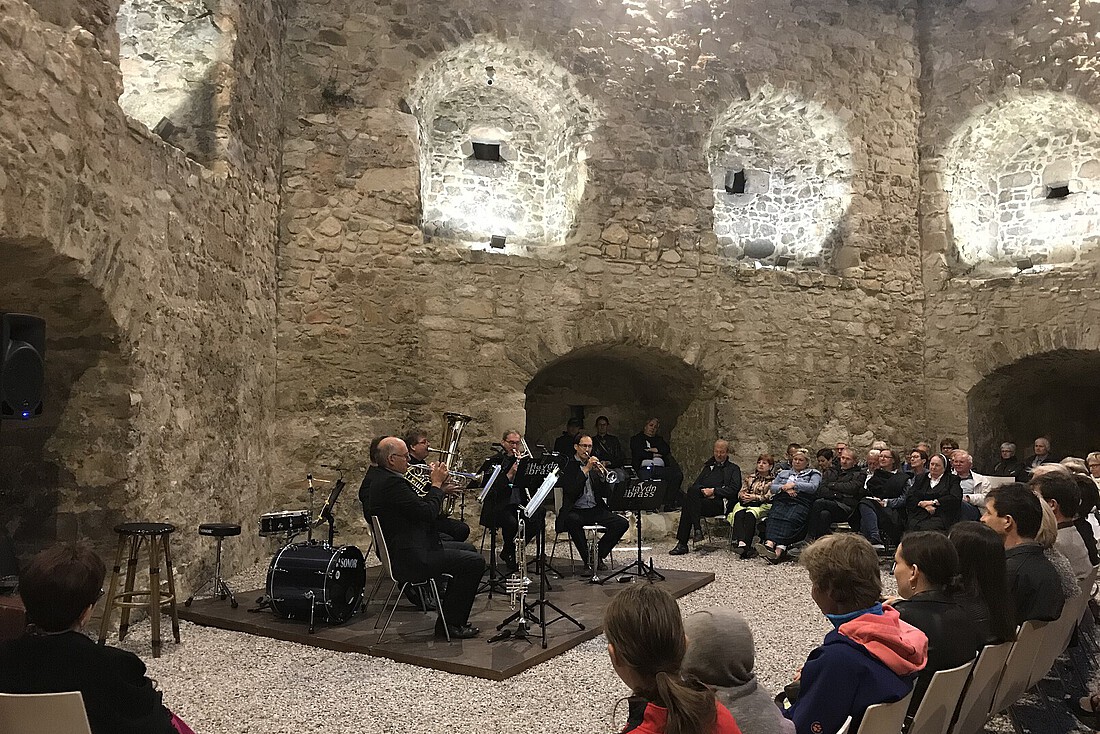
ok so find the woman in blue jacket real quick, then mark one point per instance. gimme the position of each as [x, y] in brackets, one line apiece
[793, 493]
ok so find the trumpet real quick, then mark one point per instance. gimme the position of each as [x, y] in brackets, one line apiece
[420, 477]
[601, 470]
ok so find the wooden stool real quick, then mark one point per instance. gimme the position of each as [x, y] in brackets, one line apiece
[131, 535]
[219, 589]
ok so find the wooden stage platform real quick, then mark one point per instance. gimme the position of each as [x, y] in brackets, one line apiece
[410, 637]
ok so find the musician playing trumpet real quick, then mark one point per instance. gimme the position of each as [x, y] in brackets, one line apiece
[583, 502]
[409, 526]
[499, 507]
[449, 528]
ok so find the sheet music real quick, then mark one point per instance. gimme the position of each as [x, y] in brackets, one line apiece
[489, 484]
[543, 490]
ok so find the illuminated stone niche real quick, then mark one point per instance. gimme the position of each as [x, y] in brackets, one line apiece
[781, 169]
[503, 136]
[1023, 181]
[174, 57]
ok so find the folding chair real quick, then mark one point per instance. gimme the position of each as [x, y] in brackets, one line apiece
[423, 585]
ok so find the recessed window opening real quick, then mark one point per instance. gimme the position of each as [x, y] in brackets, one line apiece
[487, 151]
[735, 181]
[1057, 191]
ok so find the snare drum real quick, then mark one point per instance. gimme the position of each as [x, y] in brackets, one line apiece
[314, 575]
[288, 522]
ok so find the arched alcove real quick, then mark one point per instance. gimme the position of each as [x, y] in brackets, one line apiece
[1023, 180]
[503, 133]
[64, 473]
[1055, 394]
[781, 171]
[628, 384]
[175, 60]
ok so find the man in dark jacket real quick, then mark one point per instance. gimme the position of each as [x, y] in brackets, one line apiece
[416, 552]
[583, 503]
[1041, 456]
[837, 496]
[719, 481]
[1013, 510]
[1009, 464]
[877, 521]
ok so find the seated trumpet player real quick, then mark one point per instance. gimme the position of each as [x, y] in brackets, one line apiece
[499, 508]
[449, 528]
[409, 525]
[583, 502]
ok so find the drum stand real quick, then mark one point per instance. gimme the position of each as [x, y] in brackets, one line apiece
[537, 610]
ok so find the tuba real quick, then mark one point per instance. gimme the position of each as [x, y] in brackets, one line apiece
[419, 475]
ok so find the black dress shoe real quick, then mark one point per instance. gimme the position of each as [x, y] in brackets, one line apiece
[465, 632]
[697, 534]
[680, 550]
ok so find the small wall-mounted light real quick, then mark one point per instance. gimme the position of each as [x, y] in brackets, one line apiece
[1025, 264]
[735, 181]
[490, 75]
[497, 242]
[782, 262]
[1058, 191]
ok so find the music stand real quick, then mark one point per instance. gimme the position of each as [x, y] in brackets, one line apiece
[635, 496]
[495, 582]
[326, 510]
[537, 609]
[530, 476]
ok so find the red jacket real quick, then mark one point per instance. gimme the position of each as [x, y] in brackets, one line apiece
[649, 718]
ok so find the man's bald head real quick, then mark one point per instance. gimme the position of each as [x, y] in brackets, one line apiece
[391, 448]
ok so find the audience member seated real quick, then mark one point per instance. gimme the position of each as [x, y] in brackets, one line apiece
[871, 656]
[877, 522]
[824, 460]
[972, 484]
[926, 566]
[1090, 498]
[721, 655]
[948, 446]
[933, 500]
[1015, 513]
[646, 643]
[607, 447]
[719, 481]
[1008, 465]
[1041, 456]
[984, 581]
[1092, 462]
[563, 444]
[753, 504]
[793, 493]
[584, 503]
[785, 463]
[59, 589]
[837, 496]
[1046, 538]
[1060, 492]
[651, 456]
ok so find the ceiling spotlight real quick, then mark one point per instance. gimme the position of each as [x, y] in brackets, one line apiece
[1025, 264]
[497, 242]
[490, 74]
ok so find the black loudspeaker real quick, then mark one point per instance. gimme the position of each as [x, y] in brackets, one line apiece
[22, 351]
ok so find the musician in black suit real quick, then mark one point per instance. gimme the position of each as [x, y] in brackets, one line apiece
[650, 454]
[408, 524]
[583, 502]
[449, 528]
[498, 510]
[607, 447]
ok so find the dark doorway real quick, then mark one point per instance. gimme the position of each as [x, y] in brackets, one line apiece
[1054, 394]
[628, 384]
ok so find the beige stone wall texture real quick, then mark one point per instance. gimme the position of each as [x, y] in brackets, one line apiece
[1029, 62]
[155, 276]
[382, 327]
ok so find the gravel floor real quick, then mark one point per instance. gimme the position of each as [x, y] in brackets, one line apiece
[221, 681]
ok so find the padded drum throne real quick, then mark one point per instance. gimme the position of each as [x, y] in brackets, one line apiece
[219, 588]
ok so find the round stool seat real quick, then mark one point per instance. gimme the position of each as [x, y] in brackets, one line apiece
[144, 528]
[219, 529]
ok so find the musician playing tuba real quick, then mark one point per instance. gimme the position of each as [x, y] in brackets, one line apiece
[499, 507]
[449, 528]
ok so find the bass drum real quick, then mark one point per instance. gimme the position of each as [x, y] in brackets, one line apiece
[305, 576]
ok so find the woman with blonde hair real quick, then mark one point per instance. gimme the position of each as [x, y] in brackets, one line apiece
[646, 642]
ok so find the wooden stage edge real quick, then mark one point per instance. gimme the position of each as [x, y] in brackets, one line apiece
[410, 638]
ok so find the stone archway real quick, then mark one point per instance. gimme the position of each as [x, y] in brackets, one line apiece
[628, 384]
[65, 473]
[1054, 393]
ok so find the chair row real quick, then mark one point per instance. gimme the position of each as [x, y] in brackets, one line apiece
[961, 700]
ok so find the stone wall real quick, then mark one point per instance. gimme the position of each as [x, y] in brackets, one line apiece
[155, 275]
[382, 327]
[1011, 95]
